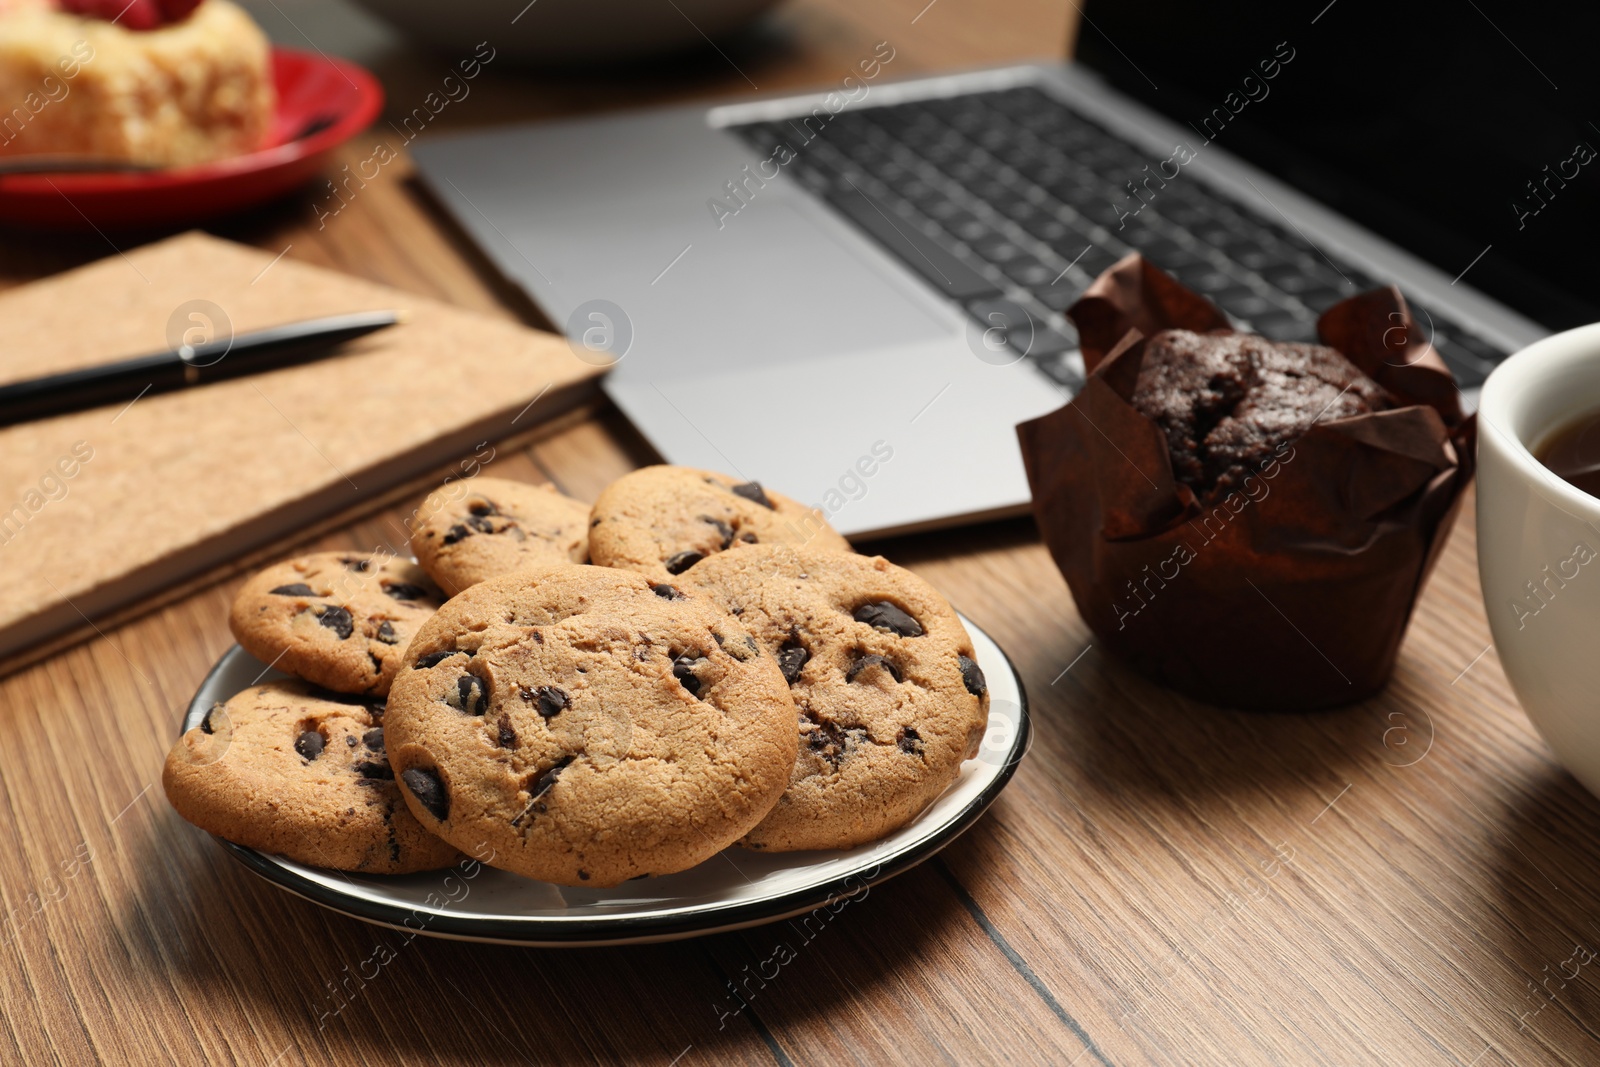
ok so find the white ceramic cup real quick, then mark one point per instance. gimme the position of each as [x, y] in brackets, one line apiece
[1539, 544]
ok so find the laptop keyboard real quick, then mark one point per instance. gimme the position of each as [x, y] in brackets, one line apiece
[1010, 203]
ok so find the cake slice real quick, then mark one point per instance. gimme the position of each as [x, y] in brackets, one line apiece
[182, 93]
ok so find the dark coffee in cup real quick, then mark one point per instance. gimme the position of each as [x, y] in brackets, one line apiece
[1573, 452]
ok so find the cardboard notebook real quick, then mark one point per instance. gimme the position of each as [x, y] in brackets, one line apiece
[103, 509]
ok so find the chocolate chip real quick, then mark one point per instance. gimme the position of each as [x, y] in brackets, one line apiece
[909, 742]
[722, 528]
[432, 659]
[753, 492]
[338, 620]
[683, 669]
[550, 700]
[309, 744]
[483, 507]
[885, 616]
[792, 656]
[972, 677]
[386, 633]
[350, 741]
[470, 696]
[538, 786]
[297, 589]
[543, 784]
[429, 791]
[683, 561]
[595, 523]
[748, 538]
[373, 739]
[206, 725]
[826, 741]
[356, 563]
[455, 533]
[481, 524]
[583, 876]
[872, 661]
[508, 733]
[405, 591]
[668, 592]
[376, 772]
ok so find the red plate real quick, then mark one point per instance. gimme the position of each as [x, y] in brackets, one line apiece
[332, 98]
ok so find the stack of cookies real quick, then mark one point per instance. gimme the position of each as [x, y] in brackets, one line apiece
[586, 695]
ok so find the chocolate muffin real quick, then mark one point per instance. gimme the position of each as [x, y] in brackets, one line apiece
[1226, 401]
[1310, 490]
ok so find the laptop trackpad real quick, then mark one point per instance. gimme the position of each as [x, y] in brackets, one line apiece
[778, 282]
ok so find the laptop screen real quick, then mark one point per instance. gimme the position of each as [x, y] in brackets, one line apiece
[1464, 131]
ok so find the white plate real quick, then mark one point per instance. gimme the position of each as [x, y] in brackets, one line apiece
[734, 889]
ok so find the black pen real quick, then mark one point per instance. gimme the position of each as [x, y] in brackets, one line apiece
[186, 365]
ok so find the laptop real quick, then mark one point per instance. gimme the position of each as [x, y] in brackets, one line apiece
[854, 295]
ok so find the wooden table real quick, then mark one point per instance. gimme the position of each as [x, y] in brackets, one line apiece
[1409, 881]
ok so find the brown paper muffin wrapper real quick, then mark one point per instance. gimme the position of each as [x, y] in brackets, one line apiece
[1292, 592]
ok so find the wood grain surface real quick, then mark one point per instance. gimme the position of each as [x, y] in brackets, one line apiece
[1408, 881]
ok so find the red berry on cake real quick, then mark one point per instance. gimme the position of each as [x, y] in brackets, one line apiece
[132, 14]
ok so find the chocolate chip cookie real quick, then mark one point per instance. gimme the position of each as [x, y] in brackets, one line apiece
[340, 619]
[589, 725]
[301, 772]
[890, 697]
[661, 521]
[470, 531]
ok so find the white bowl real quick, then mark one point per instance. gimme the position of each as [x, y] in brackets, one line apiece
[566, 31]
